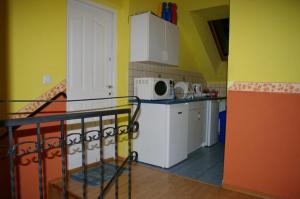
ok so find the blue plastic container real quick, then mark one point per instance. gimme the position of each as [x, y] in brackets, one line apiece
[222, 118]
[164, 11]
[169, 12]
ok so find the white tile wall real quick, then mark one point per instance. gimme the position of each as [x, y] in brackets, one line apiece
[138, 69]
[221, 87]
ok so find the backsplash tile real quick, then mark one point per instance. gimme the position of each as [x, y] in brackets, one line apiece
[137, 69]
[221, 87]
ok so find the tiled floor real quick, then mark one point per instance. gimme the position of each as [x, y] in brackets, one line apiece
[204, 164]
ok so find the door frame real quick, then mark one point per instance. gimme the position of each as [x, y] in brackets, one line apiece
[114, 43]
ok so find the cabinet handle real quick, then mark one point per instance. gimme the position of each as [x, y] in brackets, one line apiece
[179, 113]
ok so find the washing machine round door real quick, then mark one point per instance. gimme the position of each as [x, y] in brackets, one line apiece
[160, 88]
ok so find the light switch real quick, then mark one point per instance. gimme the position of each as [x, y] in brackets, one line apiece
[47, 79]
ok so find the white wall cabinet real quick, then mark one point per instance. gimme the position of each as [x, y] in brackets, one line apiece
[196, 128]
[162, 138]
[153, 40]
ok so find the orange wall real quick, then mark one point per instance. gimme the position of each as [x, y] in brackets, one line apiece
[263, 147]
[27, 167]
[262, 143]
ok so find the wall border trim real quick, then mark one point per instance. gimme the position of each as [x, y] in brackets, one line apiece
[48, 95]
[269, 87]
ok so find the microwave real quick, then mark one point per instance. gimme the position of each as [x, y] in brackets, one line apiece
[150, 88]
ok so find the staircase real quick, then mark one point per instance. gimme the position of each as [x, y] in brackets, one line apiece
[40, 140]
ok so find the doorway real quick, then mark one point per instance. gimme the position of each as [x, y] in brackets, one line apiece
[91, 65]
[90, 51]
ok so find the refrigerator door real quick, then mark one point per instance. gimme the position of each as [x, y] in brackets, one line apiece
[177, 134]
[212, 122]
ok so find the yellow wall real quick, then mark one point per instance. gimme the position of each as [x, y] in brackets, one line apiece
[137, 6]
[264, 41]
[37, 46]
[197, 40]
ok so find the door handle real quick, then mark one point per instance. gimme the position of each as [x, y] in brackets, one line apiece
[110, 89]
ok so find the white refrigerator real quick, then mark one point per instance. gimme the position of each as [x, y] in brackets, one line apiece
[211, 123]
[162, 136]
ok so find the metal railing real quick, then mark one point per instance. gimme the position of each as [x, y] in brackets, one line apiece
[41, 144]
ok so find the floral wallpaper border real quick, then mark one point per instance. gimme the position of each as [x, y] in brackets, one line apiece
[270, 87]
[33, 106]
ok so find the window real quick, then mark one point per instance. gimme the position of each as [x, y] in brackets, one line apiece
[220, 32]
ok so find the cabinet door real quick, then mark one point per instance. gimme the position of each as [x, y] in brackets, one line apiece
[172, 43]
[213, 122]
[195, 136]
[178, 130]
[151, 139]
[156, 39]
[139, 46]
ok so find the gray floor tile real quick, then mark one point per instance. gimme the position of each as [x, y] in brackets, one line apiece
[204, 164]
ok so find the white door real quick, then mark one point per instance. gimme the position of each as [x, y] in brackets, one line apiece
[90, 70]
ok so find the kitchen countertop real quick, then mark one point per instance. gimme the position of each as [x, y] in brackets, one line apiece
[179, 101]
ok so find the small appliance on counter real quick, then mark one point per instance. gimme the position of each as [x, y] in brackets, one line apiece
[197, 89]
[151, 88]
[183, 90]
